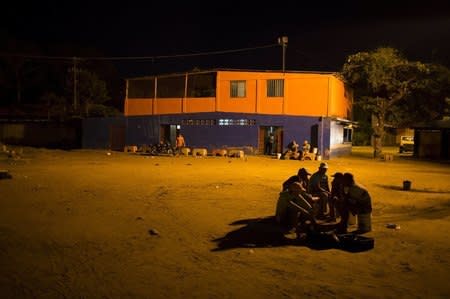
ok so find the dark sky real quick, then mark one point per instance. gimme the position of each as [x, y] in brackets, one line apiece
[320, 35]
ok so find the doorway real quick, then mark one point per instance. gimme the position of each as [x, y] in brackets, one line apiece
[168, 133]
[117, 137]
[314, 137]
[263, 140]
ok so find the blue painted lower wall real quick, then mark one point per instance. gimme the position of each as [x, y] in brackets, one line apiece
[199, 131]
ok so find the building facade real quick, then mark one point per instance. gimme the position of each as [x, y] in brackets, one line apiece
[233, 108]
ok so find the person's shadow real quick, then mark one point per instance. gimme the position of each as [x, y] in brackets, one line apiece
[265, 232]
[257, 232]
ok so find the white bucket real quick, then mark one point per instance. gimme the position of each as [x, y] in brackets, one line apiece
[319, 158]
[364, 222]
[278, 156]
[351, 219]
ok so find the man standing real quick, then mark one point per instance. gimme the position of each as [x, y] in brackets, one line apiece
[270, 143]
[180, 143]
[319, 186]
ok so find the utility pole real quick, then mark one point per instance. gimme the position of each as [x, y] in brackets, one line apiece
[283, 41]
[75, 104]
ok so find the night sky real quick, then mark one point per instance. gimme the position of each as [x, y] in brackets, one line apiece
[320, 35]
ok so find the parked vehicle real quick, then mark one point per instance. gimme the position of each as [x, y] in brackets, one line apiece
[162, 148]
[406, 144]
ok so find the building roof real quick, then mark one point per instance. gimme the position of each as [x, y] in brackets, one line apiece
[230, 70]
[435, 124]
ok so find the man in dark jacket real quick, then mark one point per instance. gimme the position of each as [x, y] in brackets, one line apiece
[302, 177]
[358, 202]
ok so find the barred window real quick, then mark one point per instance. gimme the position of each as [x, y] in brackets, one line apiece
[236, 122]
[275, 87]
[198, 122]
[237, 89]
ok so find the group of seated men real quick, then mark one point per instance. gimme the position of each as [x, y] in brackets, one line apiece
[305, 199]
[294, 152]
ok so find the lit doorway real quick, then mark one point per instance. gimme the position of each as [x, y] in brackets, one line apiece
[264, 146]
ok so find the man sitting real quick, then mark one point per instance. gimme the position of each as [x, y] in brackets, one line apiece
[302, 177]
[319, 186]
[287, 212]
[358, 202]
[306, 148]
[292, 151]
[295, 210]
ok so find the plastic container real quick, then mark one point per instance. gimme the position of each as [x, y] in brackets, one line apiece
[351, 219]
[364, 222]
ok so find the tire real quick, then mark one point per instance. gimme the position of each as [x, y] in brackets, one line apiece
[355, 243]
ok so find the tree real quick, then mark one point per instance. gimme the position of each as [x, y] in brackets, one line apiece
[427, 99]
[90, 90]
[388, 87]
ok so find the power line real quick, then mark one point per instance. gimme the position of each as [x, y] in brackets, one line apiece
[146, 58]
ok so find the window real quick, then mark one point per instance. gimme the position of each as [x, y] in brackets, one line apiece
[237, 89]
[201, 85]
[198, 122]
[236, 122]
[275, 88]
[170, 87]
[141, 88]
[347, 135]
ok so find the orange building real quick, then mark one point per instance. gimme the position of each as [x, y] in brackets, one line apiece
[233, 108]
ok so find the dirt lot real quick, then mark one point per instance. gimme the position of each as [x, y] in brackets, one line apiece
[84, 224]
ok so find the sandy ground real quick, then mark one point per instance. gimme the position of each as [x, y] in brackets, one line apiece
[84, 224]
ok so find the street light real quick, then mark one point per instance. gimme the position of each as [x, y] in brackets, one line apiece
[283, 41]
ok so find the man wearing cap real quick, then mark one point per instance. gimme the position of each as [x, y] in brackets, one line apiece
[319, 186]
[302, 177]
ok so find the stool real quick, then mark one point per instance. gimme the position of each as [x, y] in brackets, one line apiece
[199, 152]
[219, 152]
[364, 222]
[130, 148]
[236, 154]
[388, 157]
[185, 151]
